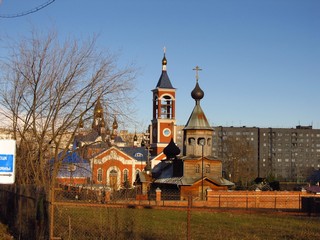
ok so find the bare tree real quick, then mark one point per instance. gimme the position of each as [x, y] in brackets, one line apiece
[50, 87]
[239, 159]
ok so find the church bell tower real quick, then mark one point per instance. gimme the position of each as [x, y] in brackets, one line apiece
[163, 123]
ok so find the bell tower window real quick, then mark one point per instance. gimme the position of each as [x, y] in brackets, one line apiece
[166, 107]
[191, 141]
[201, 141]
[155, 107]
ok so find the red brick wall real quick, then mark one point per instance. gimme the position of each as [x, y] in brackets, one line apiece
[243, 199]
[256, 199]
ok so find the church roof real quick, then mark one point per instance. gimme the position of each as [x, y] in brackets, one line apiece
[164, 81]
[184, 181]
[143, 177]
[118, 139]
[89, 137]
[138, 153]
[72, 162]
[198, 119]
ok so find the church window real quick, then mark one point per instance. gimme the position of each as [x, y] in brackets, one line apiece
[207, 168]
[201, 141]
[191, 141]
[209, 141]
[166, 107]
[197, 168]
[125, 175]
[156, 111]
[99, 178]
[139, 155]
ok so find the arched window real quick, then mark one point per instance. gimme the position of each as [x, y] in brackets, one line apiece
[166, 107]
[191, 141]
[197, 170]
[138, 155]
[99, 177]
[125, 175]
[209, 140]
[201, 141]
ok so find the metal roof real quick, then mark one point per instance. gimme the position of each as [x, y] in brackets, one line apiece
[138, 153]
[198, 119]
[73, 164]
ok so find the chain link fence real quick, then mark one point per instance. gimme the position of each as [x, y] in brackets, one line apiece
[96, 212]
[25, 210]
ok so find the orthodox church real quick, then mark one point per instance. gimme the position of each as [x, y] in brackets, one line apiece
[196, 169]
[165, 166]
[107, 160]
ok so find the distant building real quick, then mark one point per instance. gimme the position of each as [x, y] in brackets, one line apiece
[289, 154]
[285, 154]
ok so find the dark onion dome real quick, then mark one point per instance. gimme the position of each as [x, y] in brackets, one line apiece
[197, 93]
[171, 150]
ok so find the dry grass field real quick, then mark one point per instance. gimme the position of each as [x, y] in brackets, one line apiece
[124, 223]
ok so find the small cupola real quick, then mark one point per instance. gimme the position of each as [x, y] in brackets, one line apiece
[171, 150]
[197, 94]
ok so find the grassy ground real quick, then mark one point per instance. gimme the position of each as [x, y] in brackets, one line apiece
[123, 223]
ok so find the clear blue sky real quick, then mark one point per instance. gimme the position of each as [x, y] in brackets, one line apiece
[260, 59]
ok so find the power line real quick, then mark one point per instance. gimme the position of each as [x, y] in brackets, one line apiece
[33, 10]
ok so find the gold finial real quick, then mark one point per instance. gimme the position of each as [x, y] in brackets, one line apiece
[197, 69]
[164, 60]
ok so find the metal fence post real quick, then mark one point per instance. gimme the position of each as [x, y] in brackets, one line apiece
[189, 217]
[51, 211]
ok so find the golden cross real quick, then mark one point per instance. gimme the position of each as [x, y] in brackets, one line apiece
[197, 69]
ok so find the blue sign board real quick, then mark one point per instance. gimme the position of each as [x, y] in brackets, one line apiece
[6, 163]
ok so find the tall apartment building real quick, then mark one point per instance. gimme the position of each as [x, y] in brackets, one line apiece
[287, 154]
